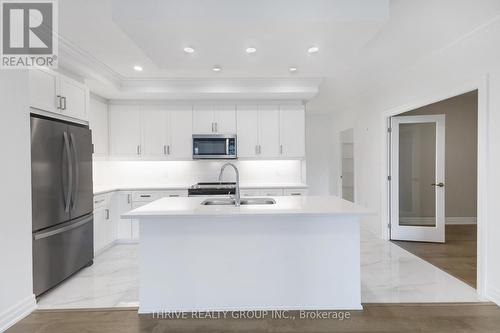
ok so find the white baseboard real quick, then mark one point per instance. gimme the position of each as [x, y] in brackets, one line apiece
[126, 241]
[461, 220]
[493, 295]
[17, 312]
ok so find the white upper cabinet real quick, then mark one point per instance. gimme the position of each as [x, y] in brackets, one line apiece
[73, 98]
[269, 131]
[208, 119]
[248, 131]
[43, 90]
[292, 131]
[180, 146]
[125, 131]
[98, 122]
[54, 92]
[154, 133]
[203, 119]
[225, 119]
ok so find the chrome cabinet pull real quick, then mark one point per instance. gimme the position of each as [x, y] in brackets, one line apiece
[216, 130]
[256, 149]
[260, 150]
[213, 130]
[129, 198]
[64, 100]
[59, 102]
[138, 149]
[107, 214]
[281, 149]
[168, 149]
[164, 150]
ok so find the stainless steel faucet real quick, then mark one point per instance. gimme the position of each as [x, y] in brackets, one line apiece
[237, 197]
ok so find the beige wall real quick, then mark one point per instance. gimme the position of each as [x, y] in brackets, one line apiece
[461, 152]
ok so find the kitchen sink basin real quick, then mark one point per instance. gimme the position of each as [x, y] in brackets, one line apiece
[243, 202]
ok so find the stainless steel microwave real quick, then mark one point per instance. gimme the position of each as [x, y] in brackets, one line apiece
[214, 146]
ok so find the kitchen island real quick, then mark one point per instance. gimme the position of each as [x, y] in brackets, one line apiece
[300, 253]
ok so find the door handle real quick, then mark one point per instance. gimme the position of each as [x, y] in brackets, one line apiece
[63, 98]
[77, 171]
[107, 214]
[168, 149]
[438, 184]
[70, 172]
[164, 150]
[138, 149]
[59, 107]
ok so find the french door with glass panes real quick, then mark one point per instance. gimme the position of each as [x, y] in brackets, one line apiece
[418, 178]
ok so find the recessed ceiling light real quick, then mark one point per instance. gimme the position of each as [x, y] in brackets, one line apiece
[251, 50]
[217, 68]
[313, 49]
[138, 68]
[292, 69]
[188, 50]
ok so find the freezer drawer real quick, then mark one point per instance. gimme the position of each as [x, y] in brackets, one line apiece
[61, 251]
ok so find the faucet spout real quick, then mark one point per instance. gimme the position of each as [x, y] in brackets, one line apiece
[237, 198]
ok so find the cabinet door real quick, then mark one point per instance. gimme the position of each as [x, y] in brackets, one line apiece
[74, 98]
[269, 131]
[203, 120]
[225, 119]
[181, 134]
[154, 134]
[99, 231]
[42, 90]
[135, 222]
[125, 131]
[292, 131]
[121, 203]
[98, 122]
[248, 131]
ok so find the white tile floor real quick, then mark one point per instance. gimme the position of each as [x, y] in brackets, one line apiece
[388, 274]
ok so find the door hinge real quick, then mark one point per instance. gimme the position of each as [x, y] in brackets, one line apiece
[389, 178]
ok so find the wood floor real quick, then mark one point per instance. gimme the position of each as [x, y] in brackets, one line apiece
[458, 256]
[456, 318]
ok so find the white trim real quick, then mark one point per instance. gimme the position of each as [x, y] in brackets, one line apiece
[482, 85]
[17, 312]
[493, 295]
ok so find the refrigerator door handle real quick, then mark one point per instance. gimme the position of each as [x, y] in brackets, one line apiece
[60, 230]
[77, 171]
[67, 202]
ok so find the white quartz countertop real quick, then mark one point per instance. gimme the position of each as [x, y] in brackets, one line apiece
[106, 189]
[286, 205]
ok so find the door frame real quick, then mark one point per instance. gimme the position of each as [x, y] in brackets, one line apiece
[340, 180]
[482, 86]
[419, 233]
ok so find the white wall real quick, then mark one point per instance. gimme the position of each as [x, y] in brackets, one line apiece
[319, 152]
[459, 67]
[164, 173]
[16, 287]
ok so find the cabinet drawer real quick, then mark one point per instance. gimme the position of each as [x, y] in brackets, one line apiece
[175, 193]
[297, 191]
[250, 192]
[101, 201]
[146, 196]
[272, 192]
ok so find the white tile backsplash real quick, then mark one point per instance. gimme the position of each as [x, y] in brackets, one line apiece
[159, 173]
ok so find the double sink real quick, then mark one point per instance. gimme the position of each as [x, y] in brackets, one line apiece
[243, 202]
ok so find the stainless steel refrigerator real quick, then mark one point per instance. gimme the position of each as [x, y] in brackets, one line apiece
[62, 200]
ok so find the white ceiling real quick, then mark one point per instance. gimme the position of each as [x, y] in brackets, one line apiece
[360, 41]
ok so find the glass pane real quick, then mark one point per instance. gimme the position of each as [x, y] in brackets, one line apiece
[417, 171]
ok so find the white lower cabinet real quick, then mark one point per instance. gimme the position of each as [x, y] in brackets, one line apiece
[121, 202]
[295, 191]
[104, 230]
